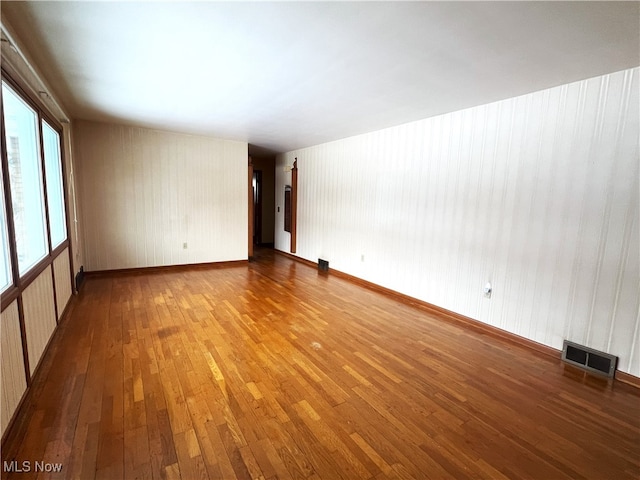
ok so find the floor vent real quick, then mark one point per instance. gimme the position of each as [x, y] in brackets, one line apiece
[323, 265]
[589, 359]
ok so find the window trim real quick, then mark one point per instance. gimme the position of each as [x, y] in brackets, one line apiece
[42, 119]
[21, 282]
[5, 237]
[12, 291]
[41, 184]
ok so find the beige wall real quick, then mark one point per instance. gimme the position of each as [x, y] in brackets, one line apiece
[14, 382]
[39, 316]
[537, 194]
[73, 210]
[61, 273]
[145, 193]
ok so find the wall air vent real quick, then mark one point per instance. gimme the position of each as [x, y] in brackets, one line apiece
[589, 359]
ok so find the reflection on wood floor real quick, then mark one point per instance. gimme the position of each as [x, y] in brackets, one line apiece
[273, 370]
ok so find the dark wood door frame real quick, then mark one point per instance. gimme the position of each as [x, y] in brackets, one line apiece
[294, 205]
[257, 207]
[250, 213]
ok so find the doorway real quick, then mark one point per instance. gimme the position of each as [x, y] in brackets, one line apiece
[262, 200]
[257, 207]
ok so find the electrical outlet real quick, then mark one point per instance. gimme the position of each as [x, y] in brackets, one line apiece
[184, 246]
[362, 257]
[487, 290]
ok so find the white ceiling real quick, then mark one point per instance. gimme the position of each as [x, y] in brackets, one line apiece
[293, 74]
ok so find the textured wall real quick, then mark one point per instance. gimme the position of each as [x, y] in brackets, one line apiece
[73, 208]
[537, 194]
[61, 274]
[39, 316]
[13, 380]
[144, 193]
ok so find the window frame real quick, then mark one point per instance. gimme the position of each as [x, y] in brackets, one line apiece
[21, 282]
[26, 181]
[45, 173]
[4, 238]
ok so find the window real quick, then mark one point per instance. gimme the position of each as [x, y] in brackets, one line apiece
[33, 217]
[25, 179]
[55, 189]
[5, 270]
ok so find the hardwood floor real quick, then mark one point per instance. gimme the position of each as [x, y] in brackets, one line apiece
[273, 370]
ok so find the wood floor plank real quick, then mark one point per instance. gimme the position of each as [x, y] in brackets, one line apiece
[273, 370]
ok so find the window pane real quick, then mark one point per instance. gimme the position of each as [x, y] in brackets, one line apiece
[55, 195]
[5, 268]
[25, 178]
